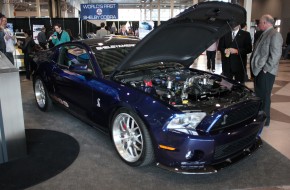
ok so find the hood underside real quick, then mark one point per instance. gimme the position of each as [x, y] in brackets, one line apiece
[184, 37]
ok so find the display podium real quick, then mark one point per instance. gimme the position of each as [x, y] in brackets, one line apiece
[12, 131]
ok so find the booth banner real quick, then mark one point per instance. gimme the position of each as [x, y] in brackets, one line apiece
[99, 11]
[36, 30]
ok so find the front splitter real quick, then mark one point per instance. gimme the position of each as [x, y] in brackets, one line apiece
[216, 167]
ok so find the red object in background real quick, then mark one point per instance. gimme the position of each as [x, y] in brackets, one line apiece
[148, 83]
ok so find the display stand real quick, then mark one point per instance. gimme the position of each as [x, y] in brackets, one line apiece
[12, 131]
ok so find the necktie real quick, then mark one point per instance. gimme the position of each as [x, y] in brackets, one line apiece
[233, 36]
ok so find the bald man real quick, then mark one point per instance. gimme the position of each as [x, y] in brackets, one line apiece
[265, 61]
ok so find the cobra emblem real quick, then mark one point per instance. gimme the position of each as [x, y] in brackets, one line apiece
[98, 102]
[224, 120]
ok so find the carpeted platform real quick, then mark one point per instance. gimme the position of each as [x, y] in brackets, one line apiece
[48, 154]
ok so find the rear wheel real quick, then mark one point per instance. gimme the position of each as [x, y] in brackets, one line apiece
[131, 138]
[42, 98]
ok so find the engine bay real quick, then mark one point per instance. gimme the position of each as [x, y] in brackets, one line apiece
[185, 88]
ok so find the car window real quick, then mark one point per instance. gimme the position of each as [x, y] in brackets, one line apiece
[108, 59]
[70, 55]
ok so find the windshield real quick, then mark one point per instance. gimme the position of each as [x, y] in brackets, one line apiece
[108, 59]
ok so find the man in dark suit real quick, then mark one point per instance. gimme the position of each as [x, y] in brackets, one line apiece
[265, 61]
[234, 47]
[123, 31]
[287, 46]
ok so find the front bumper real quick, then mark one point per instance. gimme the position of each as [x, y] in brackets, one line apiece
[209, 153]
[204, 169]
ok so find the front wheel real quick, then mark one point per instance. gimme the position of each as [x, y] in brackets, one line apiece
[131, 138]
[42, 98]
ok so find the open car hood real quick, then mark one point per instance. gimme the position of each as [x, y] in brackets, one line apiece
[184, 37]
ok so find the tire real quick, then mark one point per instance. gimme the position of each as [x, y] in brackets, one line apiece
[42, 98]
[131, 139]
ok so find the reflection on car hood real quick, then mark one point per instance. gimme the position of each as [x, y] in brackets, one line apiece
[184, 37]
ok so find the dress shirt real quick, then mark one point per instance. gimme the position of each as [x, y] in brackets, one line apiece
[234, 33]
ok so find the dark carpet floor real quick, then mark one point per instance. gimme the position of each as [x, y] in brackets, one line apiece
[99, 167]
[48, 154]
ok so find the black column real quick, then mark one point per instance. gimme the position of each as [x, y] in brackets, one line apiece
[50, 8]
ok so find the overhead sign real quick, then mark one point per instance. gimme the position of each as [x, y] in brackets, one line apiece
[99, 11]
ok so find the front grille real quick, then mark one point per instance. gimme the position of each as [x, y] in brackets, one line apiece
[237, 115]
[225, 150]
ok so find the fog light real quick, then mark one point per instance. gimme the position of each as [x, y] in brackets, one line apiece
[194, 155]
[188, 155]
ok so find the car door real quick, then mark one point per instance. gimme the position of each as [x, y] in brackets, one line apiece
[73, 88]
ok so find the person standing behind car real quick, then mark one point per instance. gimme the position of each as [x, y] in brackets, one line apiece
[59, 36]
[41, 37]
[265, 62]
[2, 41]
[287, 49]
[210, 55]
[123, 31]
[234, 47]
[10, 40]
[27, 48]
[102, 32]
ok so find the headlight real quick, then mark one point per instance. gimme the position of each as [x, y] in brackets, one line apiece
[185, 123]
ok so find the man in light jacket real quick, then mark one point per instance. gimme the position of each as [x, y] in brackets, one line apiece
[265, 61]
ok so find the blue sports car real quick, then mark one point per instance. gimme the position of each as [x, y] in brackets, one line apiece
[143, 93]
[145, 26]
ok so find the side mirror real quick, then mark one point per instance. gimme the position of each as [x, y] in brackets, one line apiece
[80, 68]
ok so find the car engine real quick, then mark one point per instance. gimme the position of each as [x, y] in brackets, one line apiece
[185, 87]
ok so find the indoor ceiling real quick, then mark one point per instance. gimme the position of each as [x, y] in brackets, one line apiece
[30, 5]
